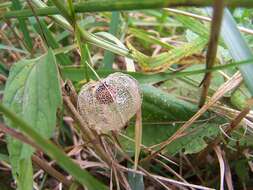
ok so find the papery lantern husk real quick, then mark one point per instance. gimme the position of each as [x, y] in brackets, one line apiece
[107, 105]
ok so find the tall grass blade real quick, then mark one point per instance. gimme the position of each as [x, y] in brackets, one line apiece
[62, 58]
[238, 48]
[114, 29]
[23, 27]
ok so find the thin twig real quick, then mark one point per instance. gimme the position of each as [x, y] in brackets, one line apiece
[15, 55]
[172, 171]
[228, 131]
[228, 175]
[17, 135]
[51, 171]
[217, 150]
[194, 169]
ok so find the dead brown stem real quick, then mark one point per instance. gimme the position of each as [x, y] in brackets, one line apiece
[212, 47]
[51, 171]
[228, 131]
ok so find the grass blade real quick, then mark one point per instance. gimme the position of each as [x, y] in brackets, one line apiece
[76, 73]
[22, 24]
[62, 58]
[114, 28]
[163, 61]
[238, 48]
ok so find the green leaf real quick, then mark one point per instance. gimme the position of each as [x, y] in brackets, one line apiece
[136, 181]
[161, 114]
[145, 36]
[238, 48]
[76, 73]
[163, 61]
[33, 92]
[22, 24]
[114, 30]
[4, 157]
[43, 31]
[7, 47]
[194, 25]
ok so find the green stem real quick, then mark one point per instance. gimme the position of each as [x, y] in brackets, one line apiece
[115, 5]
[63, 10]
[71, 10]
[150, 78]
[55, 153]
[84, 52]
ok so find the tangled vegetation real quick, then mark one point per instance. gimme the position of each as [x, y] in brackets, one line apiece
[106, 94]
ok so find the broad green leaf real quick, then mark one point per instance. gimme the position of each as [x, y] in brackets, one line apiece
[183, 88]
[33, 93]
[163, 114]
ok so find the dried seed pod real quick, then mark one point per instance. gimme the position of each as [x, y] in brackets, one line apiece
[108, 104]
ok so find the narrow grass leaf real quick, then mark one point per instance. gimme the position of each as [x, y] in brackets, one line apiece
[142, 34]
[6, 47]
[238, 48]
[163, 61]
[114, 5]
[76, 73]
[114, 29]
[195, 26]
[22, 24]
[62, 58]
